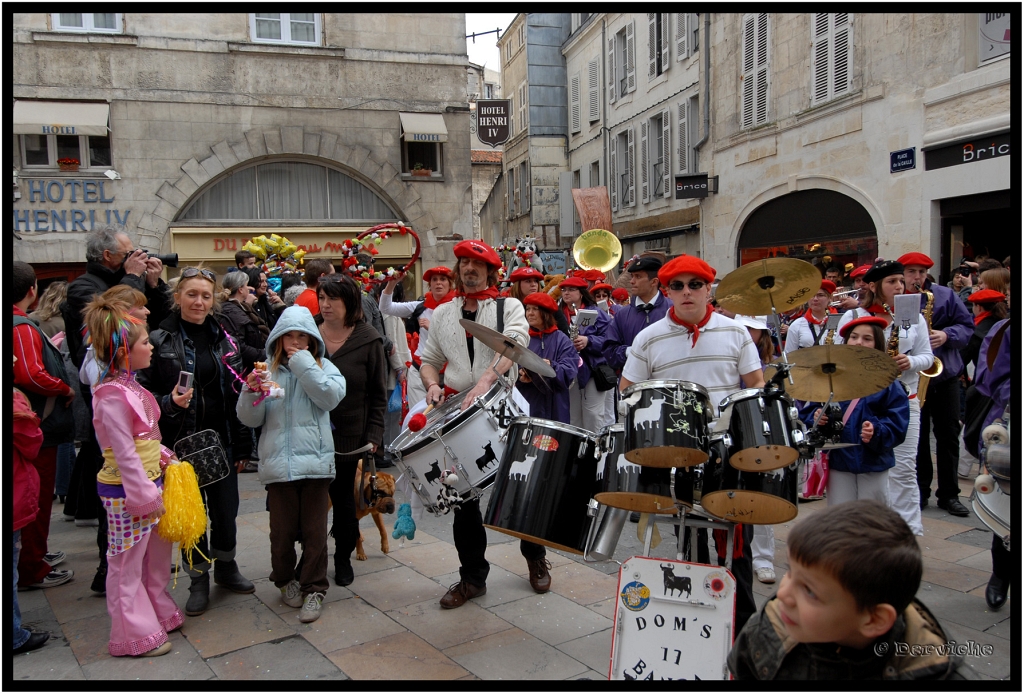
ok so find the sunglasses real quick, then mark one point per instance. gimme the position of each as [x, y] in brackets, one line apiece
[694, 285]
[190, 272]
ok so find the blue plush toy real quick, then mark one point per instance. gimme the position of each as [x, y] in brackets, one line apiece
[404, 524]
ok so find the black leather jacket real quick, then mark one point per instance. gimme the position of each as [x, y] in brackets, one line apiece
[173, 352]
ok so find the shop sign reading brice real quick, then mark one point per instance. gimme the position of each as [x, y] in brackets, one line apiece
[492, 121]
[85, 203]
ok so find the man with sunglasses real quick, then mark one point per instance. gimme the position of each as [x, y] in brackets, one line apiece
[693, 343]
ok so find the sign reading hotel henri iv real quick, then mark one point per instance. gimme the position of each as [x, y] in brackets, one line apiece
[492, 115]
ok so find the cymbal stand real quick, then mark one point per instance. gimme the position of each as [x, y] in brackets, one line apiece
[767, 282]
[684, 520]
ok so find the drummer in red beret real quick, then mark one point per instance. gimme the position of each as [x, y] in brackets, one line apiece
[548, 397]
[951, 331]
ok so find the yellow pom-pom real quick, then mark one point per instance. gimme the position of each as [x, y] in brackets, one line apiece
[184, 519]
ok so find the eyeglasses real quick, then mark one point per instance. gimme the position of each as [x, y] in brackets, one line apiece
[335, 278]
[190, 272]
[694, 285]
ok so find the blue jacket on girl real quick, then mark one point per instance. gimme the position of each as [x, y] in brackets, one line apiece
[888, 411]
[549, 398]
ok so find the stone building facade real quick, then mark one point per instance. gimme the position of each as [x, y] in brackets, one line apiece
[225, 126]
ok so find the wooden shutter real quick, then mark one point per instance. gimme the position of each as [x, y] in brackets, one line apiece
[510, 197]
[631, 165]
[512, 114]
[594, 84]
[819, 57]
[680, 27]
[666, 154]
[612, 173]
[518, 180]
[749, 46]
[526, 184]
[843, 54]
[652, 45]
[683, 155]
[630, 57]
[523, 106]
[645, 187]
[761, 97]
[754, 109]
[611, 70]
[666, 31]
[574, 104]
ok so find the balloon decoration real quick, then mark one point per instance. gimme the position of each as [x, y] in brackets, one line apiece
[276, 255]
[367, 242]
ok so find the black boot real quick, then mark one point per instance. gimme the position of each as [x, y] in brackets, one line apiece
[198, 595]
[343, 574]
[99, 581]
[225, 573]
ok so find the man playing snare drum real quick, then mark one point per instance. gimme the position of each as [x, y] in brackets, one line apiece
[469, 367]
[693, 343]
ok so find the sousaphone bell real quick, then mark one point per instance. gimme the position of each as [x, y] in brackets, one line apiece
[597, 249]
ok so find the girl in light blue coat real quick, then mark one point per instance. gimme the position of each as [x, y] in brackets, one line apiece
[296, 453]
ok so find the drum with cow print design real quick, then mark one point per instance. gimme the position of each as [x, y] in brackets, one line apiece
[547, 476]
[666, 423]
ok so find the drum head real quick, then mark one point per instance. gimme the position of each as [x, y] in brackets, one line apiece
[444, 418]
[741, 506]
[642, 503]
[763, 458]
[666, 456]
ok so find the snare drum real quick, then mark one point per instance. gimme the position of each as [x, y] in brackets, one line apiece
[468, 443]
[667, 423]
[760, 426]
[545, 481]
[993, 509]
[625, 485]
[760, 498]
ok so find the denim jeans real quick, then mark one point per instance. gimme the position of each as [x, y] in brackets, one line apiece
[65, 462]
[20, 635]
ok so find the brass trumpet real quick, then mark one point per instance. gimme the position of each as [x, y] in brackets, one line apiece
[837, 297]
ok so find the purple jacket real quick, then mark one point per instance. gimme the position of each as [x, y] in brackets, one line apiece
[592, 354]
[549, 398]
[627, 324]
[995, 383]
[951, 316]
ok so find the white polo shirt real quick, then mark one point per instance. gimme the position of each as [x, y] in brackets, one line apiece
[665, 350]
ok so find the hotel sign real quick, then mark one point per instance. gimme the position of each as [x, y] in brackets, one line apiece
[492, 121]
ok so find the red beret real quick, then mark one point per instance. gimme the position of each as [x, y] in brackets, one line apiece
[686, 264]
[574, 282]
[866, 320]
[439, 270]
[473, 248]
[525, 273]
[829, 286]
[601, 285]
[541, 300]
[620, 294]
[860, 271]
[593, 276]
[915, 259]
[986, 296]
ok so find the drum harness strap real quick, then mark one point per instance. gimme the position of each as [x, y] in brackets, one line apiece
[372, 493]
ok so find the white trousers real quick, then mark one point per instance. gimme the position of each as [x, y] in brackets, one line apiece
[762, 547]
[849, 486]
[590, 408]
[415, 391]
[904, 494]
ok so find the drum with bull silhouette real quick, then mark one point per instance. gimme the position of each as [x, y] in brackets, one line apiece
[543, 487]
[673, 620]
[666, 423]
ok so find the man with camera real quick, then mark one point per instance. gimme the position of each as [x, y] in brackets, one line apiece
[961, 283]
[111, 259]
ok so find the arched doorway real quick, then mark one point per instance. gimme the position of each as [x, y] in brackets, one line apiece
[821, 226]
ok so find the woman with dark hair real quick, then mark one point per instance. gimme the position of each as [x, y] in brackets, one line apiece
[548, 398]
[357, 349]
[268, 304]
[526, 281]
[591, 408]
[240, 320]
[191, 339]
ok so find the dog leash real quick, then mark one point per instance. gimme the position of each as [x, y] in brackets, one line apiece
[374, 492]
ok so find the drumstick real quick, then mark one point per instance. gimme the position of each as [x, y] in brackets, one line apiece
[419, 420]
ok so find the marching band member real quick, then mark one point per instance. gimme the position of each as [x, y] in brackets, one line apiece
[912, 353]
[526, 281]
[591, 408]
[809, 329]
[648, 306]
[548, 398]
[620, 296]
[951, 330]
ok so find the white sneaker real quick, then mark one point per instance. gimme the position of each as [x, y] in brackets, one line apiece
[57, 577]
[291, 594]
[766, 574]
[311, 608]
[54, 558]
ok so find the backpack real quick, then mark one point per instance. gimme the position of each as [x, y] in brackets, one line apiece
[57, 422]
[412, 323]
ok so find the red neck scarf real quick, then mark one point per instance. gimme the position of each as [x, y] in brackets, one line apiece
[812, 320]
[695, 329]
[432, 303]
[489, 293]
[981, 316]
[877, 310]
[542, 333]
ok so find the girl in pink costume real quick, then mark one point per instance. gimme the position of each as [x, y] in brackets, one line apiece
[130, 485]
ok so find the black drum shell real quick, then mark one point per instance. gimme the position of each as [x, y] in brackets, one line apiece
[760, 498]
[679, 437]
[636, 488]
[754, 450]
[547, 505]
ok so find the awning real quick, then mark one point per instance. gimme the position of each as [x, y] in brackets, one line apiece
[60, 118]
[423, 127]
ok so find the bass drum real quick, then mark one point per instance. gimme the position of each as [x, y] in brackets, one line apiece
[666, 423]
[759, 498]
[760, 426]
[625, 485]
[468, 443]
[544, 484]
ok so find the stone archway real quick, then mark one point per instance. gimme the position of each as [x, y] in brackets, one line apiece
[382, 177]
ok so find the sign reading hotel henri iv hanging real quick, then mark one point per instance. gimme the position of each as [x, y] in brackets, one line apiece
[492, 116]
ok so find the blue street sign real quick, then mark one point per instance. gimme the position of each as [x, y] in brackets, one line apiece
[902, 159]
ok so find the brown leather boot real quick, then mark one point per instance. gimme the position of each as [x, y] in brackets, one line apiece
[540, 579]
[459, 593]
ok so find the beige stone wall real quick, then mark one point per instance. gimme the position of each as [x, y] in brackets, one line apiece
[484, 176]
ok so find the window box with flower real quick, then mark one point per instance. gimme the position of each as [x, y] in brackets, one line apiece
[68, 164]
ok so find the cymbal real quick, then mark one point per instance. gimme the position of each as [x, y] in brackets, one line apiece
[833, 446]
[507, 347]
[845, 371]
[753, 288]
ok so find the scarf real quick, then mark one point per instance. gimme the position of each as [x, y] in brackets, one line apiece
[981, 316]
[489, 293]
[542, 333]
[812, 320]
[695, 329]
[877, 310]
[431, 303]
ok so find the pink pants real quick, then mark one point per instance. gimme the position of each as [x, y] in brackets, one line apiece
[141, 609]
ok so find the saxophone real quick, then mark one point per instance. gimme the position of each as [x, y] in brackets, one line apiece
[935, 369]
[892, 347]
[574, 329]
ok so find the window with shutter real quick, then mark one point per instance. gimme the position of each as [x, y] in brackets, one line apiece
[612, 174]
[526, 184]
[631, 57]
[666, 154]
[595, 174]
[831, 56]
[645, 194]
[574, 104]
[594, 94]
[611, 70]
[842, 54]
[631, 164]
[524, 107]
[512, 114]
[663, 35]
[680, 35]
[517, 208]
[510, 192]
[754, 92]
[652, 46]
[682, 154]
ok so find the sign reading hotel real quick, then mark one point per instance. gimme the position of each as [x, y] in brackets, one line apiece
[86, 202]
[492, 121]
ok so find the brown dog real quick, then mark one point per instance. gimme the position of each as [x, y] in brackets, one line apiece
[366, 503]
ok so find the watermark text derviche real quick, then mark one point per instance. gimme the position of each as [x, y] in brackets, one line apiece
[969, 648]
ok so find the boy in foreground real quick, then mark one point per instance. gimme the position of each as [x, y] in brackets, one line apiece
[846, 610]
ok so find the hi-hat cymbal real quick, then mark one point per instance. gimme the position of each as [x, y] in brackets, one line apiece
[835, 446]
[753, 288]
[844, 371]
[507, 347]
